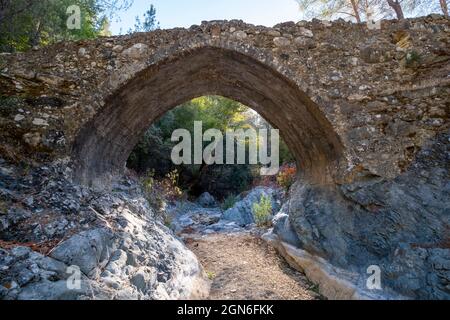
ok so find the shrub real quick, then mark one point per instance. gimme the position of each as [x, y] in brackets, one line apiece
[262, 211]
[159, 191]
[284, 179]
[222, 180]
[413, 59]
[286, 176]
[229, 202]
[155, 198]
[170, 187]
[211, 275]
[167, 220]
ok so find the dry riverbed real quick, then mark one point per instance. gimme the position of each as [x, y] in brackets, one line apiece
[243, 267]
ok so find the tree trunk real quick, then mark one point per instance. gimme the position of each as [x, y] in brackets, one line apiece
[444, 7]
[35, 36]
[355, 10]
[395, 4]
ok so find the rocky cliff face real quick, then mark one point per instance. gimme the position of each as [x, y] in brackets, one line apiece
[400, 225]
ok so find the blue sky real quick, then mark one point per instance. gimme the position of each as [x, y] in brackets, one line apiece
[184, 13]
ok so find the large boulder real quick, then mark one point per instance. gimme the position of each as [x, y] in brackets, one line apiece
[89, 251]
[242, 211]
[115, 247]
[195, 220]
[54, 290]
[207, 200]
[399, 226]
[282, 227]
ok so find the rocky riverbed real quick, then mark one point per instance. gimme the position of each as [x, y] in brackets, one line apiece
[59, 240]
[238, 262]
[54, 232]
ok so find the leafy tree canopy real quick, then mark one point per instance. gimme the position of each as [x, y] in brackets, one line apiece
[28, 23]
[154, 150]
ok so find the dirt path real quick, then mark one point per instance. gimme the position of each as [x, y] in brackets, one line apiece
[244, 267]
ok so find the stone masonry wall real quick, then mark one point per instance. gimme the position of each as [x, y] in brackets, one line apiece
[384, 92]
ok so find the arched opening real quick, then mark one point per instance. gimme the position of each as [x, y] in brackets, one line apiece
[211, 206]
[104, 144]
[231, 133]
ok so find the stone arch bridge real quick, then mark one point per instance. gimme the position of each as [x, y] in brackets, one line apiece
[364, 111]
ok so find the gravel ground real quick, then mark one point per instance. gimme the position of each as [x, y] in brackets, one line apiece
[244, 267]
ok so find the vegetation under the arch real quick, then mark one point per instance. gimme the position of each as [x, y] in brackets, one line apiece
[152, 153]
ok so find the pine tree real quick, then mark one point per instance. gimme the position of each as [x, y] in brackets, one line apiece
[149, 24]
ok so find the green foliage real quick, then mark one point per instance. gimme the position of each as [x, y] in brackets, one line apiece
[222, 180]
[262, 211]
[159, 191]
[214, 111]
[229, 202]
[211, 275]
[326, 9]
[170, 185]
[28, 23]
[285, 154]
[413, 59]
[153, 196]
[154, 149]
[152, 152]
[149, 23]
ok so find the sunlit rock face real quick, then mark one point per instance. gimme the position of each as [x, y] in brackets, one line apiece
[60, 240]
[365, 112]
